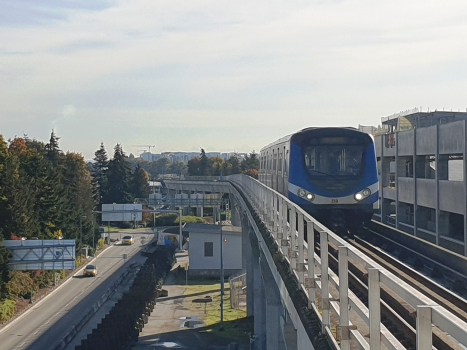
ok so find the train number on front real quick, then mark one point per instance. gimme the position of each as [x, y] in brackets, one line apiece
[334, 201]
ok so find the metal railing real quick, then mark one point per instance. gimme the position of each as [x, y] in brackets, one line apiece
[329, 294]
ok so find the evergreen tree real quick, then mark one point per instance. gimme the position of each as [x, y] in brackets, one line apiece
[52, 148]
[43, 193]
[194, 166]
[140, 183]
[251, 162]
[204, 169]
[234, 160]
[99, 175]
[119, 177]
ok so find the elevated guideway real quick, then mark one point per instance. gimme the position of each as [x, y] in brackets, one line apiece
[298, 302]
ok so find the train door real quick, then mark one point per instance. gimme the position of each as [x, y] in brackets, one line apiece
[280, 181]
[261, 168]
[274, 169]
[269, 170]
[285, 176]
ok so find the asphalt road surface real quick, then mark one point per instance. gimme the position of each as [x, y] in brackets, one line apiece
[46, 324]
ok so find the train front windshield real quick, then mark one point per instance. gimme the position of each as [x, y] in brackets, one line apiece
[327, 158]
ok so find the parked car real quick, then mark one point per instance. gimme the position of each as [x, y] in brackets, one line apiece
[128, 240]
[90, 270]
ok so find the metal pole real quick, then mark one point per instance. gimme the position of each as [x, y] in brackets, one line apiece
[222, 274]
[180, 233]
[81, 234]
[93, 237]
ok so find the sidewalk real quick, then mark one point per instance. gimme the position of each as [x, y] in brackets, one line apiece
[166, 321]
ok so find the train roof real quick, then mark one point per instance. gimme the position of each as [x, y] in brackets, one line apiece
[288, 137]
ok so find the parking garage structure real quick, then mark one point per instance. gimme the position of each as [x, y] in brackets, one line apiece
[423, 186]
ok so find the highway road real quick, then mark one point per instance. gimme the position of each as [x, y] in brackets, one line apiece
[47, 323]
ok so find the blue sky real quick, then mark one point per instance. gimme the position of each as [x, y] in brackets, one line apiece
[221, 75]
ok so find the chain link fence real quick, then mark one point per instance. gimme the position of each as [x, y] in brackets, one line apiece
[238, 292]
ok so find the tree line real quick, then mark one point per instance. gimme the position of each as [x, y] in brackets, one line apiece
[46, 193]
[216, 166]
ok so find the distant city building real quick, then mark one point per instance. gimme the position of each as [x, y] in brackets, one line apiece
[186, 156]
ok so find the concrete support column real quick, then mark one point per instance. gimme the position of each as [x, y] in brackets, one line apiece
[259, 306]
[248, 257]
[274, 310]
[171, 198]
[200, 211]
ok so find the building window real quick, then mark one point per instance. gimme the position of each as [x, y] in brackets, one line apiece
[208, 249]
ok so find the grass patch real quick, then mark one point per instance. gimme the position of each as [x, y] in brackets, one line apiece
[236, 326]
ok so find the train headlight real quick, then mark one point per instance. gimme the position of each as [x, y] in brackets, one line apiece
[310, 197]
[362, 194]
[301, 192]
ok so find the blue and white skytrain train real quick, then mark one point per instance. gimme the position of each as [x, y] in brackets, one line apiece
[329, 172]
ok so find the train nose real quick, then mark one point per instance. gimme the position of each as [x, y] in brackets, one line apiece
[337, 218]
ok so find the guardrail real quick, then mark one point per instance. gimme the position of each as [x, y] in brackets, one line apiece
[328, 293]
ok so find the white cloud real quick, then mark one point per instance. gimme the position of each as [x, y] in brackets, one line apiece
[228, 65]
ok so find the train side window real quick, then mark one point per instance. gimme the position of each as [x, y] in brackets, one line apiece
[274, 166]
[286, 162]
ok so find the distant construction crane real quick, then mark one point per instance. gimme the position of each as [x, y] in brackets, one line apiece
[148, 146]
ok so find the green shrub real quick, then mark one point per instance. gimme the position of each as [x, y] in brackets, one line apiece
[79, 261]
[20, 283]
[7, 309]
[190, 220]
[62, 274]
[44, 278]
[124, 224]
[100, 243]
[166, 220]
